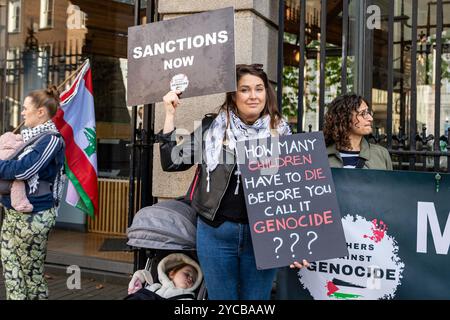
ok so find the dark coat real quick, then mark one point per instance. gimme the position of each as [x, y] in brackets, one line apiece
[189, 152]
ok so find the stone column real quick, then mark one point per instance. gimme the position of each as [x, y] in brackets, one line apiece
[256, 34]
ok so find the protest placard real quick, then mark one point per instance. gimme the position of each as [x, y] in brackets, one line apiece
[291, 200]
[194, 54]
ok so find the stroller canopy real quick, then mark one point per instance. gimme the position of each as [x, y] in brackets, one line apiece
[169, 225]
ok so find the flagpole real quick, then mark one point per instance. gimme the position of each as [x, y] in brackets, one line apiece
[73, 74]
[58, 87]
[131, 190]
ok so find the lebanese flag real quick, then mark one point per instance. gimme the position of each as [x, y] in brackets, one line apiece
[75, 121]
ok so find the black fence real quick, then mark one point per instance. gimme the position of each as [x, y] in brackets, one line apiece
[34, 67]
[409, 143]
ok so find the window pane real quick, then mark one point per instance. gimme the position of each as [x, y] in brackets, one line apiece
[62, 49]
[14, 16]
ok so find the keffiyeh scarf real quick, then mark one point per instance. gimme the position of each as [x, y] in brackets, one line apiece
[33, 182]
[235, 132]
[29, 133]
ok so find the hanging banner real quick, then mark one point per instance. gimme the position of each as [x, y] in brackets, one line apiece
[193, 54]
[291, 201]
[397, 229]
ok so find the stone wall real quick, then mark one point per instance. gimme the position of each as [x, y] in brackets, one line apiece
[256, 34]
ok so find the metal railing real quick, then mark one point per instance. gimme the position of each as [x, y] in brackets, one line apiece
[51, 64]
[409, 148]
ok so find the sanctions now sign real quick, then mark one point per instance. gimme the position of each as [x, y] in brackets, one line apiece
[291, 201]
[194, 54]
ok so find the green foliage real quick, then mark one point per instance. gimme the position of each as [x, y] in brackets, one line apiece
[445, 62]
[311, 79]
[290, 93]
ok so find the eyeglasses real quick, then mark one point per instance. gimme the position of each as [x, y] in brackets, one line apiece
[365, 113]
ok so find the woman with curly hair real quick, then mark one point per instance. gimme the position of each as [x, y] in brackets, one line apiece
[347, 121]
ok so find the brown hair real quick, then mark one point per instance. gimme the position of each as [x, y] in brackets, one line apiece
[271, 106]
[338, 120]
[181, 266]
[47, 98]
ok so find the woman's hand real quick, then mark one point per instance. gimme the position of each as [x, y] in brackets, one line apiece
[299, 265]
[171, 102]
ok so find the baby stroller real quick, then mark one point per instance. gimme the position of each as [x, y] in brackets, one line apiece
[161, 229]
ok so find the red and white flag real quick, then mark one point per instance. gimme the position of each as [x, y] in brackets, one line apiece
[75, 120]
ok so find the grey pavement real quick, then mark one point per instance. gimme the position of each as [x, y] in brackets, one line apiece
[92, 288]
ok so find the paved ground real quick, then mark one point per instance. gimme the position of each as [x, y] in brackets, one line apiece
[91, 289]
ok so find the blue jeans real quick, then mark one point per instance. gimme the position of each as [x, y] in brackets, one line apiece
[228, 263]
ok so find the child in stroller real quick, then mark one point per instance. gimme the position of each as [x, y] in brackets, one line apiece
[179, 277]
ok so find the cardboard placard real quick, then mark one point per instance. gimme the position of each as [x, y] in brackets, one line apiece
[194, 54]
[291, 200]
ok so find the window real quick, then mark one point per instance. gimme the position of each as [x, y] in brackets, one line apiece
[12, 64]
[46, 14]
[43, 62]
[14, 16]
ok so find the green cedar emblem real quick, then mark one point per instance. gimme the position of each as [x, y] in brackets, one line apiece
[92, 138]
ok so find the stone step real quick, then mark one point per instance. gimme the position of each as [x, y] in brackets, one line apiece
[97, 267]
[100, 276]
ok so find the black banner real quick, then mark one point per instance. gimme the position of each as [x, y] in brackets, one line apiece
[397, 229]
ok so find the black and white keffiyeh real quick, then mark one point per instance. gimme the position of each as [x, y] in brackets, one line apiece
[235, 132]
[29, 133]
[33, 182]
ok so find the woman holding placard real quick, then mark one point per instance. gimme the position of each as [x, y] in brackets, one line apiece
[224, 246]
[347, 121]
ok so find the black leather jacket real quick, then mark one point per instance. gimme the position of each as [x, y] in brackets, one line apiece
[186, 154]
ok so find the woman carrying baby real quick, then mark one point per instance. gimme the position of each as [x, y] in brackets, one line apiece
[24, 235]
